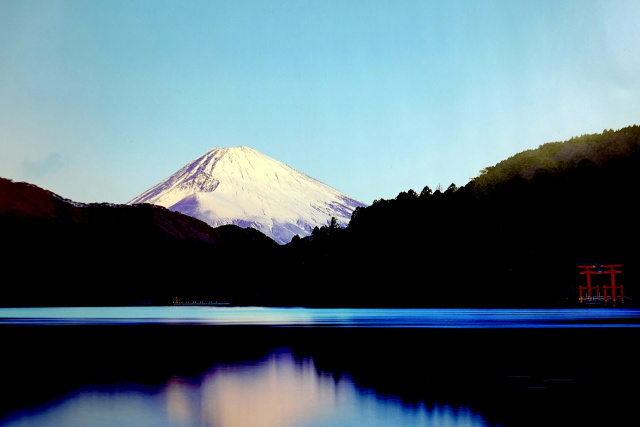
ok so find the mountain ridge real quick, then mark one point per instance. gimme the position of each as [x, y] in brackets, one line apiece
[64, 253]
[22, 202]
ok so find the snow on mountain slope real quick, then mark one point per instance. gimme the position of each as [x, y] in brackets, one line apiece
[240, 185]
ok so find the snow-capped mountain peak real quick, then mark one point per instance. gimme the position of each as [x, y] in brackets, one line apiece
[240, 185]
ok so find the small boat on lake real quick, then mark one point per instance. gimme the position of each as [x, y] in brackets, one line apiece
[199, 303]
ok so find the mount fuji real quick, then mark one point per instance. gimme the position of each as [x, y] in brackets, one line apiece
[241, 186]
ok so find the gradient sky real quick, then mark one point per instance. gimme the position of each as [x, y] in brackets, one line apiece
[102, 99]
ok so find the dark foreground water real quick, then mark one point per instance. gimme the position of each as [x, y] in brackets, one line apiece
[256, 367]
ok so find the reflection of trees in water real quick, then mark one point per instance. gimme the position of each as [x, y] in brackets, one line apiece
[510, 377]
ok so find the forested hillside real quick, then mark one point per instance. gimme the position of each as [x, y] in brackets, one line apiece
[563, 159]
[511, 236]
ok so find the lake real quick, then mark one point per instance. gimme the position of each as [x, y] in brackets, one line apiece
[297, 367]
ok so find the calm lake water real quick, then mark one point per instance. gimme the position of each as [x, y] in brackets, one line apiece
[295, 367]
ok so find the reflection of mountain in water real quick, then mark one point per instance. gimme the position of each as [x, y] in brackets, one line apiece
[308, 376]
[276, 390]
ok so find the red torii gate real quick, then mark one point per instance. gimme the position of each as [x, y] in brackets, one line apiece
[592, 293]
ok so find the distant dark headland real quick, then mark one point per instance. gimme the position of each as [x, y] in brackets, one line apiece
[57, 252]
[512, 236]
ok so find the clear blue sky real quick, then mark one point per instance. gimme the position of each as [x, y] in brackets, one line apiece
[102, 99]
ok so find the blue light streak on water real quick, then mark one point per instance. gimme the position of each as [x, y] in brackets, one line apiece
[305, 317]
